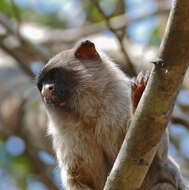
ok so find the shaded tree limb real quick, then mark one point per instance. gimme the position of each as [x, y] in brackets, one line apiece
[39, 50]
[19, 59]
[156, 105]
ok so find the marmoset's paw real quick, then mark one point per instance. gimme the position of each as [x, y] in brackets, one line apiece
[138, 86]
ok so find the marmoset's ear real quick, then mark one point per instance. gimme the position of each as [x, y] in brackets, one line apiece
[86, 50]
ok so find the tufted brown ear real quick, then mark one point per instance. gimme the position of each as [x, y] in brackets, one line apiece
[86, 50]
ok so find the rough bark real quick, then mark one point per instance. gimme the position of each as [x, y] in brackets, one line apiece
[156, 105]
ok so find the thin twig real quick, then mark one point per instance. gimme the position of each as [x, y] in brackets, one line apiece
[181, 121]
[119, 37]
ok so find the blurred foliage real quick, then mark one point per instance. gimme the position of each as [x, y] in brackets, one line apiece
[92, 14]
[20, 168]
[6, 7]
[10, 9]
[110, 7]
[50, 19]
[155, 37]
[17, 166]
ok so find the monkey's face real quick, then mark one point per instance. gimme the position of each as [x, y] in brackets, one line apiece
[69, 76]
[56, 85]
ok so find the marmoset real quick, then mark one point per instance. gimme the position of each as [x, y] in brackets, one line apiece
[88, 102]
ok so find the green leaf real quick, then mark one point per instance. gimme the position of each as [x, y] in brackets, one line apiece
[20, 166]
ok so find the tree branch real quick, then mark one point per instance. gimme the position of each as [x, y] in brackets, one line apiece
[19, 59]
[120, 38]
[39, 50]
[156, 105]
[180, 121]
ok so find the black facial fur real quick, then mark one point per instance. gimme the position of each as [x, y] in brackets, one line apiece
[64, 82]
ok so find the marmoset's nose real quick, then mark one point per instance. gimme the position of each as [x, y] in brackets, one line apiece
[47, 90]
